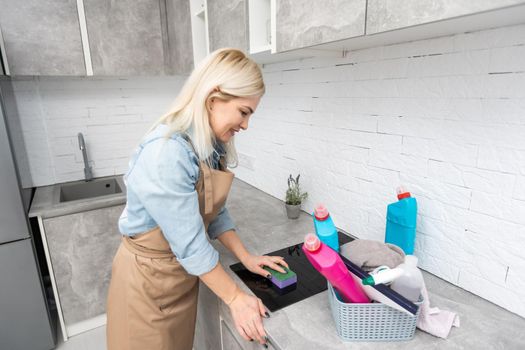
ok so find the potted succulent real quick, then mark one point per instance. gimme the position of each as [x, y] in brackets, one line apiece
[294, 197]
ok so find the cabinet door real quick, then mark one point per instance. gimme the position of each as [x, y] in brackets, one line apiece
[125, 37]
[42, 37]
[81, 247]
[228, 24]
[227, 322]
[180, 46]
[304, 23]
[207, 330]
[385, 15]
[228, 340]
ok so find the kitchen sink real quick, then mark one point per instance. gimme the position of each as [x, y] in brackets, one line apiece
[89, 189]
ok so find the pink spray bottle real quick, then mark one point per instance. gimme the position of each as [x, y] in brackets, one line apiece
[328, 262]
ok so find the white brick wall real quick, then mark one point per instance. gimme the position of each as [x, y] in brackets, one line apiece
[445, 117]
[112, 113]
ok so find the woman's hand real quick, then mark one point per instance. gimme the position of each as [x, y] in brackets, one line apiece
[247, 312]
[255, 263]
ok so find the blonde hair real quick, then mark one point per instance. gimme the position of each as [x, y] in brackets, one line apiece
[224, 74]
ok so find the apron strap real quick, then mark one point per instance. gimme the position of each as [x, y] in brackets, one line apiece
[222, 163]
[206, 173]
[208, 188]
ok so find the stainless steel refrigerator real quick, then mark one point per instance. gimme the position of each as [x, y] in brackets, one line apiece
[25, 320]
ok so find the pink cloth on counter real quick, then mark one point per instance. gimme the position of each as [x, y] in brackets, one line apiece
[433, 320]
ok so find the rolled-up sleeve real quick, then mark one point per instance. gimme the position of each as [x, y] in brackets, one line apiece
[222, 223]
[164, 182]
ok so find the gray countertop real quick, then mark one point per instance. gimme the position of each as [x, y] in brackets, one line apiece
[263, 227]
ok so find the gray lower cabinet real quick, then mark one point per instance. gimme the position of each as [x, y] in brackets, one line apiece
[385, 15]
[304, 23]
[207, 329]
[231, 340]
[42, 37]
[81, 247]
[228, 24]
[215, 325]
[228, 339]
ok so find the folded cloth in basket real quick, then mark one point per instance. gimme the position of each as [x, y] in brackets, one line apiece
[433, 320]
[369, 254]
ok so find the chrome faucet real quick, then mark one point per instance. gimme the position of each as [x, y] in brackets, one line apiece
[87, 169]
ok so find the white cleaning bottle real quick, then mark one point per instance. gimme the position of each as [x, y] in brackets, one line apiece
[383, 274]
[409, 284]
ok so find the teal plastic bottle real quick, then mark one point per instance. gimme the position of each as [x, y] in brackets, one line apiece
[325, 228]
[401, 221]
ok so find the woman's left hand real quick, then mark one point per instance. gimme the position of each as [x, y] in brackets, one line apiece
[255, 263]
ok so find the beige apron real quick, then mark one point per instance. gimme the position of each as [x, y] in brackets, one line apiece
[152, 300]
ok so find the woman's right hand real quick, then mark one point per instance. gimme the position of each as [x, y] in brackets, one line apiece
[247, 312]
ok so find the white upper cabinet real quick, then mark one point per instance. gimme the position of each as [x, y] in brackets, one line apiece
[260, 25]
[199, 29]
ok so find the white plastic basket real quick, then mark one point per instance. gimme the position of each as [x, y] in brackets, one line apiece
[371, 321]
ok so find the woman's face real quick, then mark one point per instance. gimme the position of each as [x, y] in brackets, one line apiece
[229, 117]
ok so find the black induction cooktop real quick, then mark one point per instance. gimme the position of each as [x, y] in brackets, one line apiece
[309, 280]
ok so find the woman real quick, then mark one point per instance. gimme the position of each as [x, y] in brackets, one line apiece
[177, 184]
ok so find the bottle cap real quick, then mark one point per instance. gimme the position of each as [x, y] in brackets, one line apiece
[311, 242]
[402, 193]
[411, 260]
[320, 212]
[369, 281]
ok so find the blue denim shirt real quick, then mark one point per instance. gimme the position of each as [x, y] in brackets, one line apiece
[161, 192]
